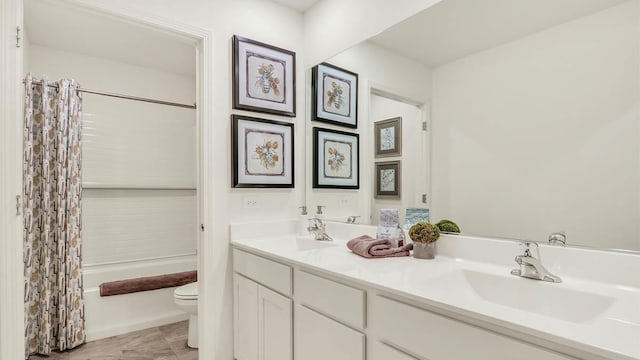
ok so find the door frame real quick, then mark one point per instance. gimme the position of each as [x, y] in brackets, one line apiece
[11, 94]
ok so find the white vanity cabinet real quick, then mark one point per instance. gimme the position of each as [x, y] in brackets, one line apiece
[436, 337]
[262, 317]
[329, 319]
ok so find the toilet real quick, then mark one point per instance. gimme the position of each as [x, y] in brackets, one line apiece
[186, 298]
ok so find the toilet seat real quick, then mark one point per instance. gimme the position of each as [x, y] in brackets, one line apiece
[187, 292]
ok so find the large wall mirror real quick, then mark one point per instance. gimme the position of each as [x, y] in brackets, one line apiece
[531, 117]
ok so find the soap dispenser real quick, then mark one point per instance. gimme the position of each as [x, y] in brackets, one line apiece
[303, 222]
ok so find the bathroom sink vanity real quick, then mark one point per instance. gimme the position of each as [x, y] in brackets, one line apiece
[305, 302]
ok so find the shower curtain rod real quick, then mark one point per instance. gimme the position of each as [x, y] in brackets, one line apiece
[120, 96]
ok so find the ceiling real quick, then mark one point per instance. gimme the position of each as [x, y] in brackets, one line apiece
[453, 29]
[67, 28]
[299, 5]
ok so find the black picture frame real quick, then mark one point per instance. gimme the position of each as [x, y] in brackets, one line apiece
[251, 92]
[336, 159]
[325, 107]
[384, 170]
[277, 137]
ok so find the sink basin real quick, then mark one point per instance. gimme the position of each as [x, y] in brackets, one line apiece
[548, 299]
[309, 243]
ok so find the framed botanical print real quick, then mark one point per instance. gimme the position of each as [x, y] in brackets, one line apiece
[264, 78]
[335, 95]
[388, 137]
[262, 153]
[335, 159]
[388, 179]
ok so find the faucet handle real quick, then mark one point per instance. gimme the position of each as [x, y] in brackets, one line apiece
[319, 209]
[526, 247]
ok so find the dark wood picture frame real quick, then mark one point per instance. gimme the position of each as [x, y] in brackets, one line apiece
[241, 177]
[347, 178]
[342, 76]
[243, 82]
[397, 180]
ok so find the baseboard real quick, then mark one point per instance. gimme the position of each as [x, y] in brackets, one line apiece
[138, 325]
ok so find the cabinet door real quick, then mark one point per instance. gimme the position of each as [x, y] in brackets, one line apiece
[381, 351]
[275, 323]
[319, 338]
[245, 318]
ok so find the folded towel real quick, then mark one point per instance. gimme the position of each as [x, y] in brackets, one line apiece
[368, 247]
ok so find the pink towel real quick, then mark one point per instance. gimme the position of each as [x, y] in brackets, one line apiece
[368, 247]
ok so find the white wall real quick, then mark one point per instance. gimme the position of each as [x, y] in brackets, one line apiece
[130, 144]
[332, 26]
[269, 23]
[542, 134]
[414, 165]
[381, 70]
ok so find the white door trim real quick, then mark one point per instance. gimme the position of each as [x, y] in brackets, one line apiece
[11, 282]
[11, 286]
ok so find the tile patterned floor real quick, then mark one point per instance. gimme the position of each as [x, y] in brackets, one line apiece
[168, 342]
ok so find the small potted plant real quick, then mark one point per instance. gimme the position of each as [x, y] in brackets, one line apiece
[448, 226]
[424, 236]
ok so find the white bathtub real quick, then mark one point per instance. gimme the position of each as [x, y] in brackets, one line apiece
[114, 315]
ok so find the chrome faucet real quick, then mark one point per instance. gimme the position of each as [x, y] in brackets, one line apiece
[318, 229]
[352, 219]
[558, 238]
[531, 266]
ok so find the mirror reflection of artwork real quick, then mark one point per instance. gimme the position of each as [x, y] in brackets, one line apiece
[262, 152]
[388, 137]
[335, 159]
[337, 156]
[335, 95]
[388, 180]
[263, 77]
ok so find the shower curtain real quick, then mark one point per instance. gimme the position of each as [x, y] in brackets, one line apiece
[54, 307]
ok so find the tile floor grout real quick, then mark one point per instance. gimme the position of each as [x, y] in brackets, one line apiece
[167, 342]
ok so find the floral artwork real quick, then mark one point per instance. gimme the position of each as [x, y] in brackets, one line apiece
[337, 163]
[335, 95]
[388, 177]
[263, 78]
[265, 158]
[266, 74]
[388, 137]
[335, 159]
[268, 154]
[387, 180]
[262, 152]
[268, 80]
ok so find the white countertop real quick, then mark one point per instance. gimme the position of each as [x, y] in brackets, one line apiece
[613, 334]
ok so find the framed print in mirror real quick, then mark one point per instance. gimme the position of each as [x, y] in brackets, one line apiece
[388, 137]
[264, 77]
[262, 153]
[335, 159]
[388, 180]
[335, 95]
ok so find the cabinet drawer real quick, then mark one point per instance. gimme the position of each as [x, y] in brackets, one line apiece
[439, 338]
[331, 298]
[266, 272]
[381, 351]
[319, 338]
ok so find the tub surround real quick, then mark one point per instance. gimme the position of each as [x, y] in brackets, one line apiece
[592, 314]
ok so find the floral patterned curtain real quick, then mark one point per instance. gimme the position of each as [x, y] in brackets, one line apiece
[54, 307]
